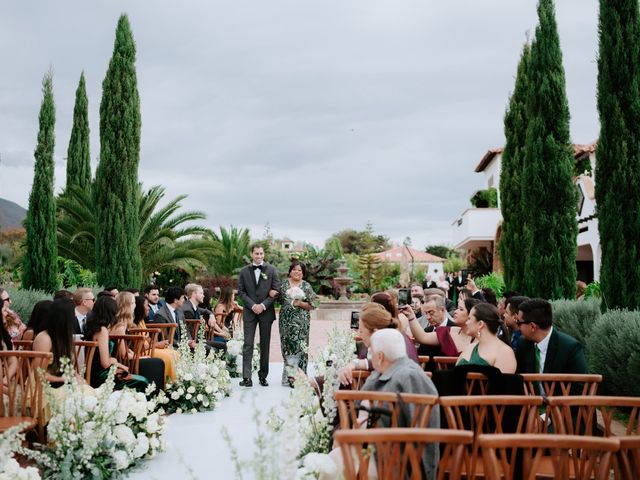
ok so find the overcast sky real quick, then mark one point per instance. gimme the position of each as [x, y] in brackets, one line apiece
[314, 116]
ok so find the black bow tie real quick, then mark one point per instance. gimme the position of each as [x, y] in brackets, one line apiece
[259, 267]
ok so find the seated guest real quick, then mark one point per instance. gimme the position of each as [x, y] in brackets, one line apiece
[226, 308]
[395, 372]
[542, 348]
[490, 296]
[373, 317]
[57, 338]
[511, 318]
[150, 368]
[162, 350]
[502, 305]
[6, 344]
[62, 294]
[483, 324]
[152, 295]
[38, 319]
[84, 300]
[97, 329]
[191, 310]
[12, 322]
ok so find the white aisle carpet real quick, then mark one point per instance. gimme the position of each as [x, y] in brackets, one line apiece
[195, 447]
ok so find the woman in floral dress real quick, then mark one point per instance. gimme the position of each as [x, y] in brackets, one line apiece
[297, 298]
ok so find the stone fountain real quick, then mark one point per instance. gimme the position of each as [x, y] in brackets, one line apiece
[339, 310]
[343, 280]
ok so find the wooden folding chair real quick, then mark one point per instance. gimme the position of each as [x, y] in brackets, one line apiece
[423, 360]
[359, 377]
[350, 402]
[628, 458]
[21, 374]
[83, 357]
[556, 384]
[167, 331]
[445, 363]
[133, 345]
[490, 414]
[194, 326]
[22, 344]
[150, 336]
[398, 452]
[531, 456]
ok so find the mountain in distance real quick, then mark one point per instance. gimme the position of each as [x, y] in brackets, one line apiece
[11, 214]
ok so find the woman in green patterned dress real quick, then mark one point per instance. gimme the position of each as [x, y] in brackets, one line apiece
[296, 297]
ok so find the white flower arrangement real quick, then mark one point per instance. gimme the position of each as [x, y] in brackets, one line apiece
[98, 434]
[10, 442]
[234, 354]
[295, 293]
[201, 380]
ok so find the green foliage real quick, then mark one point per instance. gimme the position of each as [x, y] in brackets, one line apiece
[418, 274]
[494, 281]
[593, 290]
[370, 273]
[548, 194]
[387, 277]
[39, 262]
[481, 262]
[515, 128]
[576, 318]
[612, 351]
[116, 187]
[70, 273]
[23, 300]
[442, 251]
[360, 242]
[321, 267]
[78, 155]
[454, 263]
[230, 250]
[487, 198]
[617, 173]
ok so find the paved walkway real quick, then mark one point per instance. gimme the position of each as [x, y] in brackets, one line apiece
[317, 337]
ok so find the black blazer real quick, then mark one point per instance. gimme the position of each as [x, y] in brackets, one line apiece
[164, 315]
[564, 355]
[253, 293]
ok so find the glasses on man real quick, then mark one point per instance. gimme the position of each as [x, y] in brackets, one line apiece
[521, 322]
[8, 299]
[90, 299]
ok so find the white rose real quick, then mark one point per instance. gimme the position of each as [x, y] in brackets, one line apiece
[175, 396]
[199, 397]
[139, 411]
[180, 391]
[89, 403]
[191, 389]
[208, 389]
[187, 377]
[142, 446]
[152, 423]
[124, 434]
[188, 396]
[215, 370]
[121, 459]
[154, 442]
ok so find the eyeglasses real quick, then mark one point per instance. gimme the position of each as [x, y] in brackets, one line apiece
[8, 299]
[521, 322]
[90, 299]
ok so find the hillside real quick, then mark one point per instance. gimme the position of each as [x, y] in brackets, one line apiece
[11, 214]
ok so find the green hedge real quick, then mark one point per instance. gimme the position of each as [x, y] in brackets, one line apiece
[22, 301]
[576, 318]
[612, 351]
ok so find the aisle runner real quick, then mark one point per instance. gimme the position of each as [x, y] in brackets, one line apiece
[195, 447]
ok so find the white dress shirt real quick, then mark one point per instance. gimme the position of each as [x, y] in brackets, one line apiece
[543, 346]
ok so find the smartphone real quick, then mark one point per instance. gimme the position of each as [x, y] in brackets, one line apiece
[404, 297]
[355, 320]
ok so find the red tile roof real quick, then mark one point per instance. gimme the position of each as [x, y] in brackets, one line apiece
[395, 254]
[579, 150]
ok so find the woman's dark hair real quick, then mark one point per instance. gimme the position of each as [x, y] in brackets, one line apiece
[60, 330]
[138, 311]
[490, 296]
[469, 303]
[102, 315]
[206, 300]
[226, 296]
[489, 315]
[39, 319]
[386, 300]
[4, 335]
[303, 267]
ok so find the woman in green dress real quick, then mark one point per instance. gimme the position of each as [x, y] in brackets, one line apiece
[297, 298]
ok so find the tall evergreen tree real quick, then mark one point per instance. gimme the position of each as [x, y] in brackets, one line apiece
[618, 152]
[116, 187]
[548, 192]
[41, 255]
[78, 156]
[515, 129]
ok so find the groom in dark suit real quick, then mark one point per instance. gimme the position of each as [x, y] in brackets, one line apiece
[255, 283]
[542, 348]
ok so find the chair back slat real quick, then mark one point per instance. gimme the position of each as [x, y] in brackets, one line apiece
[83, 357]
[128, 350]
[445, 363]
[150, 336]
[556, 384]
[627, 461]
[359, 377]
[399, 451]
[571, 456]
[22, 344]
[194, 326]
[423, 360]
[168, 330]
[351, 403]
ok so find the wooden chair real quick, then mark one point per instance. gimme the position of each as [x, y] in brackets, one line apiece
[194, 326]
[399, 451]
[349, 402]
[134, 346]
[489, 414]
[423, 360]
[83, 357]
[359, 377]
[22, 344]
[477, 384]
[167, 330]
[445, 363]
[571, 456]
[628, 457]
[150, 335]
[22, 393]
[561, 384]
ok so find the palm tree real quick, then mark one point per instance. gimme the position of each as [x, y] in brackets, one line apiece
[164, 240]
[230, 250]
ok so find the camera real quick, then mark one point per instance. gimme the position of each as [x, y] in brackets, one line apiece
[404, 297]
[355, 319]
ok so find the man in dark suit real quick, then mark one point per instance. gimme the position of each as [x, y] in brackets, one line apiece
[194, 294]
[152, 294]
[542, 348]
[255, 283]
[171, 312]
[84, 300]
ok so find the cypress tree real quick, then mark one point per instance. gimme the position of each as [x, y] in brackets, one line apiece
[116, 187]
[515, 128]
[548, 192]
[78, 156]
[41, 255]
[618, 153]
